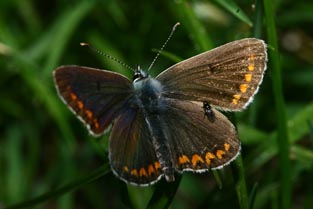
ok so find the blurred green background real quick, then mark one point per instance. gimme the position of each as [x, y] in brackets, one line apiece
[47, 158]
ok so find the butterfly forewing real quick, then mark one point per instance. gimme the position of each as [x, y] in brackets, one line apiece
[227, 76]
[95, 96]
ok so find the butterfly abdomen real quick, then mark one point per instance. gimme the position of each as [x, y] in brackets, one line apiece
[151, 103]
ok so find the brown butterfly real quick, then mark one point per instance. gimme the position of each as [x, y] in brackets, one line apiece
[169, 123]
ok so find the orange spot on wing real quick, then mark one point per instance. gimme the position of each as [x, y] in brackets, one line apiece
[226, 146]
[251, 57]
[80, 105]
[95, 123]
[73, 96]
[251, 67]
[219, 154]
[143, 172]
[236, 98]
[157, 165]
[183, 159]
[125, 168]
[208, 157]
[134, 172]
[235, 101]
[89, 114]
[243, 88]
[195, 159]
[248, 77]
[150, 170]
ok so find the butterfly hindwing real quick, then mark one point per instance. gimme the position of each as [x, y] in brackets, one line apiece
[132, 154]
[227, 76]
[197, 143]
[95, 96]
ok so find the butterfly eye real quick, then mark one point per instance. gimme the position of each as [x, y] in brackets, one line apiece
[139, 74]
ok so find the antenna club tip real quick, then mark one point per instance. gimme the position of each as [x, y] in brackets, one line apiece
[175, 26]
[83, 44]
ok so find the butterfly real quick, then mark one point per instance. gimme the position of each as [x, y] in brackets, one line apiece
[171, 123]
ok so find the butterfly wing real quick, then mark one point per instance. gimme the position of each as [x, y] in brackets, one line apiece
[197, 143]
[100, 97]
[97, 97]
[227, 76]
[132, 154]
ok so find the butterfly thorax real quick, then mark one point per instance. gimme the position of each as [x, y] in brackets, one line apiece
[152, 104]
[148, 91]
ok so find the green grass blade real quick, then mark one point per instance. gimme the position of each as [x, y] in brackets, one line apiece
[253, 195]
[164, 194]
[195, 28]
[258, 19]
[241, 186]
[298, 125]
[66, 25]
[234, 9]
[282, 136]
[100, 172]
[28, 70]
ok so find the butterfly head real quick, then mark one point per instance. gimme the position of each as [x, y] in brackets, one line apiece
[139, 75]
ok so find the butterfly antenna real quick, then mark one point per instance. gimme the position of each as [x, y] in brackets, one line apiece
[107, 55]
[168, 38]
